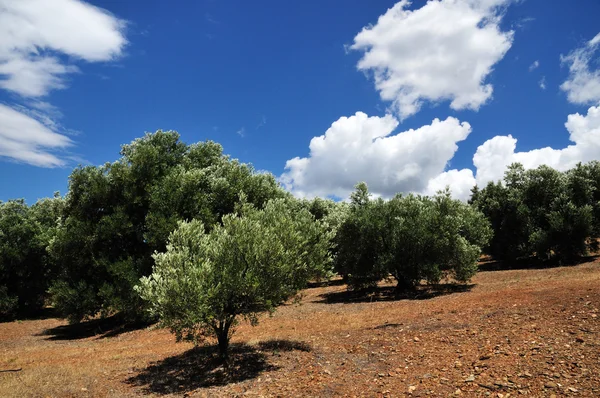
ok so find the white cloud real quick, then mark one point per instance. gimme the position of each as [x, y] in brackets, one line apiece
[35, 33]
[241, 132]
[40, 40]
[442, 51]
[492, 158]
[534, 66]
[26, 139]
[583, 84]
[363, 148]
[542, 83]
[459, 181]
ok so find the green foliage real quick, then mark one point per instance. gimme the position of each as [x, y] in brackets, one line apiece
[543, 212]
[118, 214]
[509, 218]
[25, 267]
[250, 264]
[412, 238]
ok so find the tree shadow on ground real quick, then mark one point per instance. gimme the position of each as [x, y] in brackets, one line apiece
[530, 263]
[326, 283]
[101, 328]
[390, 293]
[39, 315]
[202, 367]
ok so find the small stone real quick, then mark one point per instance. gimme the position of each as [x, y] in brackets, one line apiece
[550, 384]
[411, 389]
[381, 374]
[458, 392]
[484, 357]
[83, 389]
[572, 389]
[416, 339]
[579, 340]
[470, 379]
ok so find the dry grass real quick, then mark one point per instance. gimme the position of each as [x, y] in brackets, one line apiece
[518, 332]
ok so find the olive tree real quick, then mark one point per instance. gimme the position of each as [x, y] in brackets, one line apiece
[25, 268]
[412, 238]
[543, 212]
[118, 214]
[255, 260]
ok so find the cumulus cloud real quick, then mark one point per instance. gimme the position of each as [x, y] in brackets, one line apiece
[583, 84]
[26, 139]
[363, 148]
[460, 183]
[444, 50]
[493, 156]
[40, 42]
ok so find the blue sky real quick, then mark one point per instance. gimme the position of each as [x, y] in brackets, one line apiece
[265, 78]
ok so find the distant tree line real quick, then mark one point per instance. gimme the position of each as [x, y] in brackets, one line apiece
[188, 236]
[542, 212]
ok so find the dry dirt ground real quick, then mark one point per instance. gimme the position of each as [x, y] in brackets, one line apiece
[515, 332]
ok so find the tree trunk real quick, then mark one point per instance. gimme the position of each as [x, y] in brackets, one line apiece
[403, 285]
[222, 332]
[223, 341]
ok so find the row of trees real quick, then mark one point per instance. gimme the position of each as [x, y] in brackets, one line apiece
[543, 212]
[25, 264]
[117, 215]
[184, 234]
[412, 238]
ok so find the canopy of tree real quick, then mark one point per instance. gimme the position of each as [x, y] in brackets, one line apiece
[117, 215]
[543, 212]
[412, 238]
[250, 264]
[88, 250]
[25, 267]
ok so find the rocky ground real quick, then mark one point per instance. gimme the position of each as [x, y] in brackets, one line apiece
[512, 332]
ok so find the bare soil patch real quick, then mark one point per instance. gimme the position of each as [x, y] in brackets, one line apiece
[532, 332]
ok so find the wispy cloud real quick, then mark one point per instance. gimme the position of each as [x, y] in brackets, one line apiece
[583, 84]
[209, 18]
[262, 123]
[29, 139]
[542, 83]
[241, 132]
[534, 66]
[35, 32]
[522, 23]
[35, 37]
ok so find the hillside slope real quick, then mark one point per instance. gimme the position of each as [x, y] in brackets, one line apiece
[518, 332]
